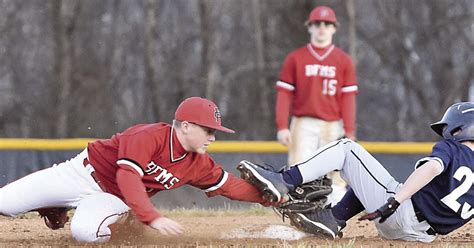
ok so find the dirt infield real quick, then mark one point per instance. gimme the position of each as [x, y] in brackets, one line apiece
[236, 230]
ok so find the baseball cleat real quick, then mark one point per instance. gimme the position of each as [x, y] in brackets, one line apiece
[270, 183]
[319, 222]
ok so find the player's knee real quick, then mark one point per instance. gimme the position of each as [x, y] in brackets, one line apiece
[6, 208]
[346, 140]
[350, 144]
[84, 232]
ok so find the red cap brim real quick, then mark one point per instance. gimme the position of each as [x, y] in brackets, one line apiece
[220, 128]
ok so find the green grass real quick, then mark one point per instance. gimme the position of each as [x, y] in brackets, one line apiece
[226, 211]
[256, 210]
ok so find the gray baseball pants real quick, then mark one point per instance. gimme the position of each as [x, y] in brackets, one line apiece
[371, 183]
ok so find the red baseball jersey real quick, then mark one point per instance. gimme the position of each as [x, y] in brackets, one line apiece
[315, 81]
[149, 157]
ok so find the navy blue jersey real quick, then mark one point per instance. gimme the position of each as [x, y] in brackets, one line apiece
[447, 202]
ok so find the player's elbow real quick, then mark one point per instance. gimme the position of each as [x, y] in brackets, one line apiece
[433, 168]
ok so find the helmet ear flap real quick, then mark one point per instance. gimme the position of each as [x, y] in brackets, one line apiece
[454, 131]
[450, 132]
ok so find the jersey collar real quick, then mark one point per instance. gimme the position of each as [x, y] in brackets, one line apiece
[323, 56]
[177, 151]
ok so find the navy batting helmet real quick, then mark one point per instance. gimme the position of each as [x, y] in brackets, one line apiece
[457, 123]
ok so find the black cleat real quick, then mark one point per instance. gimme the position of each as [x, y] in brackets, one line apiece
[269, 182]
[319, 222]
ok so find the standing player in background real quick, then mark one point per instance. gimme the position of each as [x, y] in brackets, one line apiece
[318, 87]
[437, 198]
[113, 176]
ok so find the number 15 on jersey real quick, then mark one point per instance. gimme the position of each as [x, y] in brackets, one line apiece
[329, 87]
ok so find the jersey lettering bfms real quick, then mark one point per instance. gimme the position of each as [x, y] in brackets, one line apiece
[317, 80]
[153, 153]
[447, 202]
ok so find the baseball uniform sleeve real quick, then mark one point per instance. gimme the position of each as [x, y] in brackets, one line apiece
[349, 91]
[349, 113]
[213, 180]
[237, 189]
[288, 74]
[285, 90]
[208, 176]
[136, 151]
[441, 153]
[350, 78]
[133, 190]
[282, 109]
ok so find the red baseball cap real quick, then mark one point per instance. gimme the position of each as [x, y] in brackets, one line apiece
[202, 112]
[322, 13]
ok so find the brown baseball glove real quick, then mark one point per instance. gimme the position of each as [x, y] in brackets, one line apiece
[54, 217]
[306, 197]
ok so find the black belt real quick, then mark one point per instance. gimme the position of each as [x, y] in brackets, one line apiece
[420, 217]
[101, 186]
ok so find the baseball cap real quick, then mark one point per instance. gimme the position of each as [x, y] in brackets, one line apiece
[322, 13]
[202, 112]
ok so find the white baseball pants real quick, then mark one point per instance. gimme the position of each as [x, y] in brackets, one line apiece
[68, 184]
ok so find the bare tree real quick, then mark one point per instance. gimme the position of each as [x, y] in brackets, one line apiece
[151, 57]
[419, 57]
[263, 89]
[91, 68]
[64, 14]
[351, 17]
[207, 74]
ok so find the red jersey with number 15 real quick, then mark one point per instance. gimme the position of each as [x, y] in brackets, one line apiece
[318, 81]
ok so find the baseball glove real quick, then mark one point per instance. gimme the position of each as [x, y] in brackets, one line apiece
[306, 198]
[54, 217]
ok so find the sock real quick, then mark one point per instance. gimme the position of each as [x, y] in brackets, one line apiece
[293, 176]
[347, 207]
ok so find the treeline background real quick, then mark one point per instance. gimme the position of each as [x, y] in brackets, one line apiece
[91, 68]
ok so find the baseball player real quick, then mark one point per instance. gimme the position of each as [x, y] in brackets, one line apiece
[113, 176]
[317, 86]
[437, 198]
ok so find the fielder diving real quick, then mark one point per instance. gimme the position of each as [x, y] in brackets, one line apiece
[115, 176]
